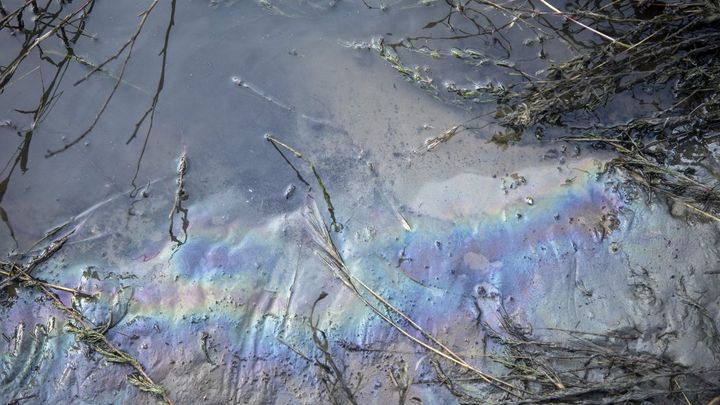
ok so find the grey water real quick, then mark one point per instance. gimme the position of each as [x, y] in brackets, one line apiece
[214, 316]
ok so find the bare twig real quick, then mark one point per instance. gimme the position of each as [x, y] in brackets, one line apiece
[336, 226]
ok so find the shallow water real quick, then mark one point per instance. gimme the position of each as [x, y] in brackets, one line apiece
[449, 236]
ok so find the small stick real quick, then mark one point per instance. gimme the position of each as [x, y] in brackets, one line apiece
[37, 260]
[591, 29]
[337, 227]
[274, 142]
[433, 143]
[32, 280]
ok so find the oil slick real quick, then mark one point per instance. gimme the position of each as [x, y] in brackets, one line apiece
[226, 294]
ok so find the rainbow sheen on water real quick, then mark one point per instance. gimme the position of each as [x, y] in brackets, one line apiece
[232, 305]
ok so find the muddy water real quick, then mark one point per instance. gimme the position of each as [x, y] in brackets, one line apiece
[448, 236]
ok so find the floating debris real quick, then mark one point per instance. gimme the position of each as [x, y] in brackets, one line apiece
[390, 55]
[84, 330]
[181, 195]
[336, 226]
[404, 222]
[514, 182]
[503, 139]
[289, 191]
[204, 336]
[238, 81]
[433, 143]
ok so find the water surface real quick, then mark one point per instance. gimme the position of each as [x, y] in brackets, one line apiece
[449, 236]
